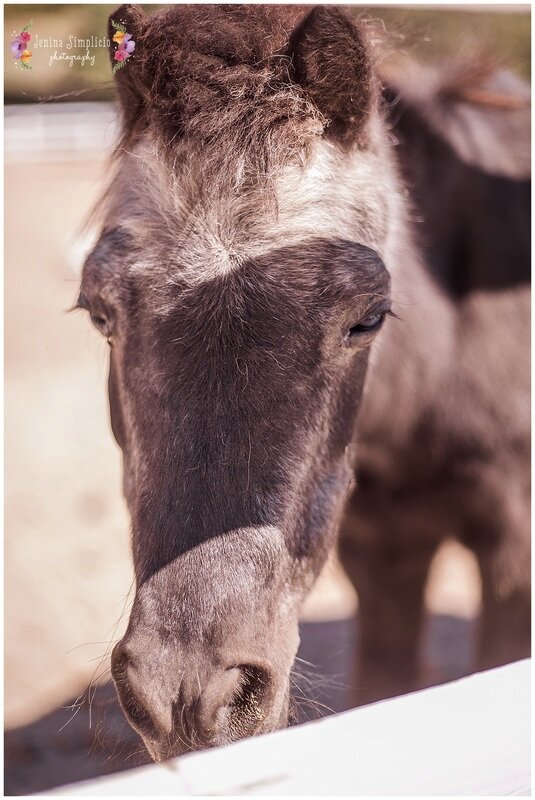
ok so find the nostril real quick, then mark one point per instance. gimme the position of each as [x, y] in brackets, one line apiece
[233, 704]
[119, 660]
[225, 706]
[124, 676]
[247, 707]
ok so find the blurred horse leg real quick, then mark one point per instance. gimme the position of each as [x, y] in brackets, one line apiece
[387, 555]
[500, 539]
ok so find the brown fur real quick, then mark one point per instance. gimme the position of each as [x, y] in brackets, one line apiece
[241, 332]
[239, 88]
[445, 432]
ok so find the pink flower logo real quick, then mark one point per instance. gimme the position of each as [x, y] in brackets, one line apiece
[19, 48]
[125, 45]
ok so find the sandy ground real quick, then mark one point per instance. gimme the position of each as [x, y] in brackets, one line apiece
[67, 561]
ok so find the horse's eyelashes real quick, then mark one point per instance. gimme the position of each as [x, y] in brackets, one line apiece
[81, 303]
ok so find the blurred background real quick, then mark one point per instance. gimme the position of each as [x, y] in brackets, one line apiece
[67, 562]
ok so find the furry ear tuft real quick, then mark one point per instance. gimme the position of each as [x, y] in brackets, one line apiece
[331, 62]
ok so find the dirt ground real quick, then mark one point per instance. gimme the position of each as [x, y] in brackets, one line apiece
[67, 561]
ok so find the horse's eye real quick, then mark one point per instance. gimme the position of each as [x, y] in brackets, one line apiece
[99, 321]
[368, 324]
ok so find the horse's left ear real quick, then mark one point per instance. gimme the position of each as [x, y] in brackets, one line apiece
[331, 61]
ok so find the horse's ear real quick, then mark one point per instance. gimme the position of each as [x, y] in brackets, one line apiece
[331, 62]
[129, 19]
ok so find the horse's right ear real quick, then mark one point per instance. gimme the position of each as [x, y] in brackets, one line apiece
[331, 62]
[127, 19]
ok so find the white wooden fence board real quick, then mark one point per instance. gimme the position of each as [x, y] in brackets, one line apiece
[470, 737]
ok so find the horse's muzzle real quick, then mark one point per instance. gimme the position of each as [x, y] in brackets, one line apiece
[178, 705]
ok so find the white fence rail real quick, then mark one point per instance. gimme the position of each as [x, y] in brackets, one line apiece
[38, 132]
[470, 737]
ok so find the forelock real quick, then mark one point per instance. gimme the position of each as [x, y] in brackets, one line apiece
[231, 159]
[218, 85]
[183, 234]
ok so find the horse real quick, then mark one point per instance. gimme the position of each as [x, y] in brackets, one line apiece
[442, 452]
[303, 349]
